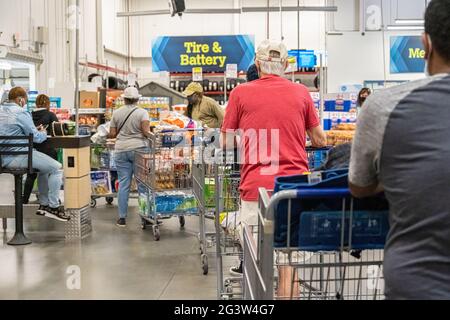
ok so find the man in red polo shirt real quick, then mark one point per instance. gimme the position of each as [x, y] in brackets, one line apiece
[271, 117]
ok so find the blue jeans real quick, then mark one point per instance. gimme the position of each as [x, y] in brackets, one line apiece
[125, 171]
[49, 177]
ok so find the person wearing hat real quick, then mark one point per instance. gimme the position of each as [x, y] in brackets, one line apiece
[130, 125]
[280, 113]
[201, 108]
[42, 116]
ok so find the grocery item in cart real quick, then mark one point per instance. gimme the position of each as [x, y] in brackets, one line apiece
[101, 183]
[173, 201]
[144, 208]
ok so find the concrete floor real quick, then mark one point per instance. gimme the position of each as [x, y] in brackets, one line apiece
[114, 263]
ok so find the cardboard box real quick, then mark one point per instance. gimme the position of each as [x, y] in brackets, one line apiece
[77, 192]
[89, 99]
[77, 162]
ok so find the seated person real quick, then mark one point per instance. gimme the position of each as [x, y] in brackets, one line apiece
[16, 121]
[42, 116]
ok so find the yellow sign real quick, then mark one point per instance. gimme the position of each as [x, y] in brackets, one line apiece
[199, 54]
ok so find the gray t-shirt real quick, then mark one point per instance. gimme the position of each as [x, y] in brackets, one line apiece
[130, 136]
[402, 142]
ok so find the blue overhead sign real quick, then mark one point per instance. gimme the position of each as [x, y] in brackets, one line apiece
[212, 53]
[407, 54]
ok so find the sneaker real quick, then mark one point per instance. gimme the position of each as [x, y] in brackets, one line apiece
[121, 222]
[42, 209]
[237, 270]
[56, 213]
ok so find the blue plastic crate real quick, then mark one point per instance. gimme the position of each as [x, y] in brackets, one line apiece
[322, 231]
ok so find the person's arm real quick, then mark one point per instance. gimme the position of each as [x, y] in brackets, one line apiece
[112, 128]
[145, 127]
[25, 121]
[317, 136]
[53, 118]
[364, 192]
[230, 123]
[217, 112]
[112, 133]
[145, 123]
[312, 124]
[363, 171]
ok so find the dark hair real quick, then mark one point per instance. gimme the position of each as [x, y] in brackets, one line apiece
[252, 73]
[437, 26]
[317, 82]
[129, 101]
[363, 90]
[189, 110]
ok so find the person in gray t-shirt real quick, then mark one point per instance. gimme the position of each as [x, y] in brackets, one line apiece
[130, 125]
[401, 147]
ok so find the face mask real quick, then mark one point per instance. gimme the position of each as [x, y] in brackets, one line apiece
[191, 99]
[363, 99]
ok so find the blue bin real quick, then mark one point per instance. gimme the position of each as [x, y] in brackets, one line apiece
[331, 206]
[322, 231]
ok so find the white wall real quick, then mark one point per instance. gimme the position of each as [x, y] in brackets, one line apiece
[114, 28]
[353, 58]
[56, 75]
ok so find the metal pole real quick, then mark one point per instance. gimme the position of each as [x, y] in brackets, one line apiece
[321, 90]
[77, 62]
[268, 19]
[218, 227]
[225, 88]
[107, 76]
[281, 19]
[298, 26]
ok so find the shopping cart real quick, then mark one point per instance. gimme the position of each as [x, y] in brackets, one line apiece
[204, 190]
[164, 176]
[104, 178]
[314, 241]
[227, 226]
[102, 166]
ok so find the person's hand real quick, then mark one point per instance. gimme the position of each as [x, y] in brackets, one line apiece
[41, 128]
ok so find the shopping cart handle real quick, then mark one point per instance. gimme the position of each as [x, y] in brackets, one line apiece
[311, 149]
[181, 130]
[323, 193]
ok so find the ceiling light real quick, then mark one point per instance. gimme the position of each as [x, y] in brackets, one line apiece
[410, 21]
[398, 28]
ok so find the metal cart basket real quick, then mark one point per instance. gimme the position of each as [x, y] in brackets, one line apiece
[103, 167]
[164, 176]
[314, 241]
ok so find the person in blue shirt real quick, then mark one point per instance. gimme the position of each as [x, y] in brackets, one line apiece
[16, 121]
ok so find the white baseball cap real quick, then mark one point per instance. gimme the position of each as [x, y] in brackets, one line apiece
[268, 46]
[131, 93]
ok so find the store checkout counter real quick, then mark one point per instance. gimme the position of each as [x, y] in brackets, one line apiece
[77, 191]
